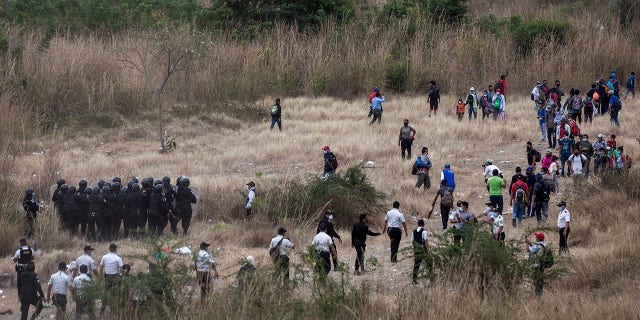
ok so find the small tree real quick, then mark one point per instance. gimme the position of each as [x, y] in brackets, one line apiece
[157, 57]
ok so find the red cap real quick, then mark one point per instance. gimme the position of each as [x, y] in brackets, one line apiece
[326, 148]
[539, 236]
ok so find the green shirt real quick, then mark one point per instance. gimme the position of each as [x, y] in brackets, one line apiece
[495, 184]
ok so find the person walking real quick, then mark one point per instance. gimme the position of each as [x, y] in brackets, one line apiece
[564, 221]
[406, 137]
[540, 198]
[22, 256]
[615, 105]
[519, 194]
[447, 174]
[30, 292]
[204, 263]
[496, 184]
[542, 121]
[327, 220]
[371, 96]
[184, 210]
[330, 162]
[631, 86]
[424, 165]
[31, 208]
[472, 102]
[376, 107]
[84, 304]
[446, 202]
[276, 115]
[392, 222]
[575, 167]
[59, 284]
[325, 248]
[280, 245]
[86, 260]
[251, 186]
[420, 241]
[359, 241]
[111, 267]
[433, 97]
[536, 251]
[461, 218]
[499, 106]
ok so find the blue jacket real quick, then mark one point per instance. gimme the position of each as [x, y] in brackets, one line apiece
[450, 177]
[376, 103]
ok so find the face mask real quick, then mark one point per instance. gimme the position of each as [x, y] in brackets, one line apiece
[459, 208]
[584, 140]
[324, 151]
[560, 209]
[330, 217]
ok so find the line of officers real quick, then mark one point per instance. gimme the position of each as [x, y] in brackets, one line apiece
[100, 211]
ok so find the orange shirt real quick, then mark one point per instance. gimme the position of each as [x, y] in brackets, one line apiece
[461, 107]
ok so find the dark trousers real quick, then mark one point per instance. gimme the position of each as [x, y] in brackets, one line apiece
[324, 263]
[577, 116]
[109, 292]
[204, 280]
[377, 115]
[419, 257]
[499, 200]
[129, 226]
[405, 145]
[588, 115]
[155, 224]
[444, 214]
[24, 309]
[282, 268]
[360, 248]
[247, 216]
[60, 301]
[84, 306]
[274, 121]
[91, 229]
[394, 235]
[106, 228]
[563, 247]
[185, 217]
[551, 137]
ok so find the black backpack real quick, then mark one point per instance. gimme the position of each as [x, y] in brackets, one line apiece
[274, 252]
[333, 162]
[543, 193]
[415, 168]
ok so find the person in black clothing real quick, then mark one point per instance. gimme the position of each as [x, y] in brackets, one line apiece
[156, 210]
[330, 162]
[82, 201]
[30, 210]
[183, 211]
[531, 181]
[420, 249]
[327, 220]
[276, 115]
[70, 210]
[23, 256]
[57, 197]
[120, 209]
[359, 241]
[30, 292]
[168, 194]
[533, 155]
[135, 213]
[108, 214]
[96, 210]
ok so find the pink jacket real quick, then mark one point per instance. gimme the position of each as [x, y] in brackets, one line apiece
[546, 161]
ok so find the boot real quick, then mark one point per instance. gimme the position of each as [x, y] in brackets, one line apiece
[513, 221]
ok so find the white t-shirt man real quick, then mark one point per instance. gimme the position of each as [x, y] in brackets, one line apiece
[576, 163]
[498, 222]
[284, 245]
[322, 241]
[80, 282]
[394, 218]
[111, 263]
[423, 234]
[204, 261]
[563, 218]
[488, 171]
[86, 260]
[59, 282]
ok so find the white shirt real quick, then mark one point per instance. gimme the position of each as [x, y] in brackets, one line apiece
[80, 281]
[284, 245]
[252, 195]
[394, 218]
[322, 241]
[498, 221]
[488, 171]
[204, 261]
[86, 260]
[563, 218]
[423, 233]
[111, 263]
[59, 282]
[576, 163]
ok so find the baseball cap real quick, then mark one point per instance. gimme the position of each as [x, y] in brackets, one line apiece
[88, 248]
[282, 230]
[600, 135]
[539, 236]
[113, 246]
[472, 89]
[529, 168]
[204, 245]
[447, 166]
[562, 203]
[376, 89]
[251, 184]
[326, 148]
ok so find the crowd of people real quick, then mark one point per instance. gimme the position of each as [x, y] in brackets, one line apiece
[99, 212]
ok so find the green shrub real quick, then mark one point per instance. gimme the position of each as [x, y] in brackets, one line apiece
[530, 33]
[397, 73]
[347, 193]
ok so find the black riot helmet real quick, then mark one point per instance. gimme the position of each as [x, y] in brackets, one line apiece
[29, 192]
[82, 184]
[135, 188]
[166, 181]
[116, 186]
[72, 190]
[116, 179]
[158, 188]
[60, 182]
[64, 188]
[146, 183]
[88, 191]
[101, 184]
[157, 182]
[106, 189]
[95, 190]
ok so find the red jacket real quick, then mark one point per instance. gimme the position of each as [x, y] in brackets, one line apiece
[503, 84]
[371, 96]
[515, 186]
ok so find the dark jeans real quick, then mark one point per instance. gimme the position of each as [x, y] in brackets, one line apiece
[155, 225]
[614, 118]
[444, 214]
[563, 240]
[360, 248]
[474, 112]
[204, 280]
[395, 234]
[377, 115]
[24, 309]
[588, 115]
[60, 301]
[324, 264]
[185, 217]
[541, 210]
[405, 145]
[274, 121]
[577, 116]
[551, 137]
[499, 200]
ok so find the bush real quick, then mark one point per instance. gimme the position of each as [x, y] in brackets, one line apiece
[348, 194]
[528, 34]
[397, 73]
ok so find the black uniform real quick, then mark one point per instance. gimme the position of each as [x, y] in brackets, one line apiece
[184, 199]
[136, 216]
[359, 242]
[168, 199]
[31, 208]
[96, 212]
[156, 211]
[108, 217]
[25, 255]
[30, 293]
[83, 209]
[121, 203]
[70, 210]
